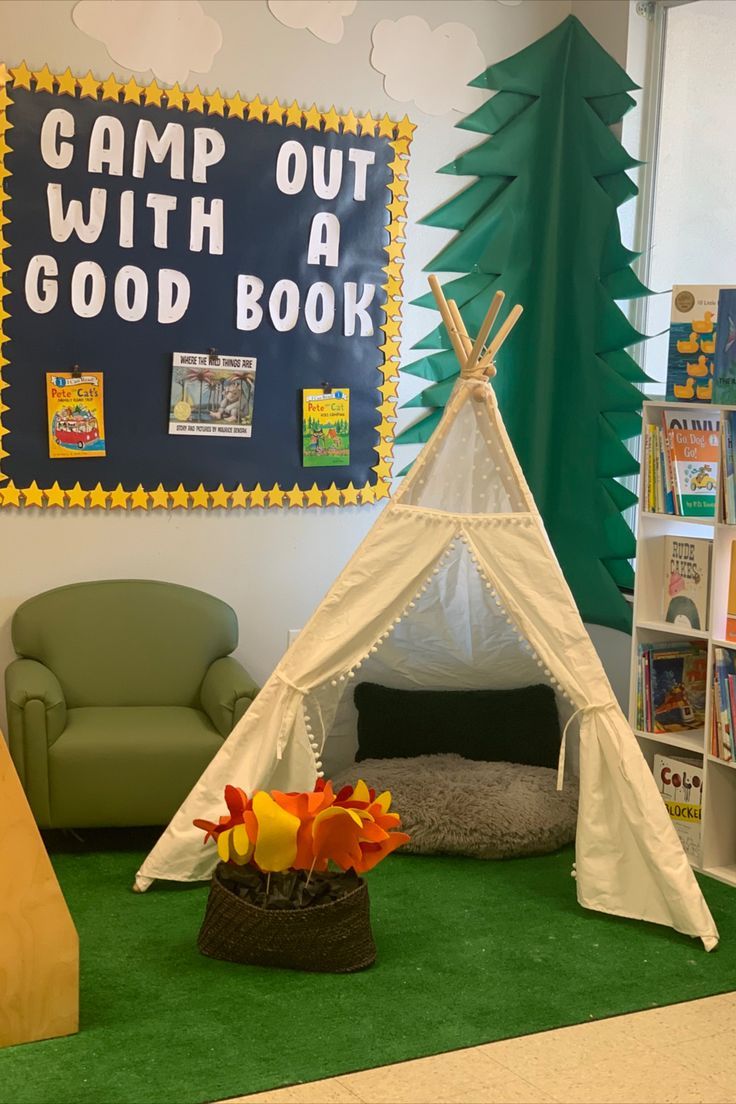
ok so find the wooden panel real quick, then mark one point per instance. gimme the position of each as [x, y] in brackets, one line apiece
[39, 949]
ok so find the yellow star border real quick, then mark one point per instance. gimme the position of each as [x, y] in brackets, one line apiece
[399, 133]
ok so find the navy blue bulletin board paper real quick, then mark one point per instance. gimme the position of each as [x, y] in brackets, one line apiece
[266, 234]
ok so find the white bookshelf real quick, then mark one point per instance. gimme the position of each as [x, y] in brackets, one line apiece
[719, 777]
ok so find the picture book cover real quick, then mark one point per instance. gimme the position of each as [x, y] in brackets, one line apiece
[695, 452]
[212, 395]
[724, 376]
[692, 342]
[677, 678]
[680, 782]
[75, 410]
[728, 479]
[325, 427]
[686, 581]
[731, 603]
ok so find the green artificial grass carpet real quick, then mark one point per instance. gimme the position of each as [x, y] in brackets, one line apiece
[468, 952]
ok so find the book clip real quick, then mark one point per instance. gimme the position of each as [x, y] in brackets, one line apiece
[326, 388]
[214, 356]
[76, 371]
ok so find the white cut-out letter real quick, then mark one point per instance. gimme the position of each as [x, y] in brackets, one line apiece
[127, 208]
[84, 304]
[106, 146]
[211, 220]
[42, 291]
[59, 123]
[65, 223]
[324, 240]
[173, 295]
[170, 144]
[161, 205]
[209, 148]
[324, 294]
[249, 313]
[131, 309]
[283, 305]
[361, 158]
[358, 308]
[290, 177]
[326, 189]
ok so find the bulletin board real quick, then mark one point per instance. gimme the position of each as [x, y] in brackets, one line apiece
[139, 223]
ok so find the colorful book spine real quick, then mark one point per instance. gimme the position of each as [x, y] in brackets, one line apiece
[721, 701]
[731, 714]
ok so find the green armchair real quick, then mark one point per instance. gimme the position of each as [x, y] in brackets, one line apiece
[123, 693]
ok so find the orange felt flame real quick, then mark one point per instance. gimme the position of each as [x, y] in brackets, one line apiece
[305, 831]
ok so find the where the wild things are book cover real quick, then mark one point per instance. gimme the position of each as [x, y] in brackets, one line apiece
[211, 395]
[75, 412]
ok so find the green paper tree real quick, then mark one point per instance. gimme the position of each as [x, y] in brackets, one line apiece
[541, 223]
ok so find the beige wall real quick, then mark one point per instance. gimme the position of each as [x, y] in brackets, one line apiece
[272, 566]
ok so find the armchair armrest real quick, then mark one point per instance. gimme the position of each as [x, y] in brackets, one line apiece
[36, 719]
[226, 693]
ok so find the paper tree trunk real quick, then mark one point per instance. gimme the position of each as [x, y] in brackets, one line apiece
[541, 223]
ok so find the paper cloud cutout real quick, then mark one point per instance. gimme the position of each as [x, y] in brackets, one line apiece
[430, 67]
[324, 18]
[169, 37]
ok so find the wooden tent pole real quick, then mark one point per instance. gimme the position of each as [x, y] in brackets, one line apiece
[513, 317]
[465, 341]
[439, 297]
[485, 329]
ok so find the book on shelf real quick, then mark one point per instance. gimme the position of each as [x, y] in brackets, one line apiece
[728, 462]
[680, 464]
[731, 600]
[692, 342]
[686, 564]
[724, 375]
[722, 712]
[672, 678]
[680, 782]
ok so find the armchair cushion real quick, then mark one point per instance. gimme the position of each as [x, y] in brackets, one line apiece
[226, 693]
[127, 765]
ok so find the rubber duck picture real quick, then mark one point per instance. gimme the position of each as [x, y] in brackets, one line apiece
[690, 346]
[686, 391]
[704, 326]
[698, 369]
[706, 346]
[705, 394]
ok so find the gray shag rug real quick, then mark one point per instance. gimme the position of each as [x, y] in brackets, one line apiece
[455, 806]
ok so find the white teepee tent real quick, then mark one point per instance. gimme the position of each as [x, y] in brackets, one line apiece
[457, 586]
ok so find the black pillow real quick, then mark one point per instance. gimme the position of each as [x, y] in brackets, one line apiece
[514, 726]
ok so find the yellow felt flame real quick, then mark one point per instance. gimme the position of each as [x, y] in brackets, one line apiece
[361, 792]
[223, 845]
[241, 847]
[384, 800]
[277, 831]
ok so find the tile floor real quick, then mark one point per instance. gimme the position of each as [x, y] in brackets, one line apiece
[682, 1054]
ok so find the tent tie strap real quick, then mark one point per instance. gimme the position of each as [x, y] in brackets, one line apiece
[292, 685]
[288, 719]
[592, 707]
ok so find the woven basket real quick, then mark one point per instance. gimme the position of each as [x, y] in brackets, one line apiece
[335, 938]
